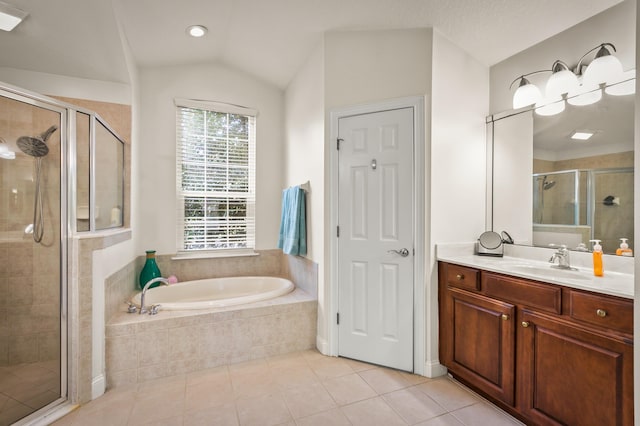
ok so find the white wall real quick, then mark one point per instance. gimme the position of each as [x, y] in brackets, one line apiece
[365, 67]
[615, 25]
[304, 146]
[369, 66]
[512, 170]
[156, 212]
[460, 103]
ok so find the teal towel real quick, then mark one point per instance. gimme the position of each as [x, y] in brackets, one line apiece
[293, 225]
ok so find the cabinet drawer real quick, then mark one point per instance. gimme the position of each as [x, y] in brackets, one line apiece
[602, 311]
[462, 277]
[544, 297]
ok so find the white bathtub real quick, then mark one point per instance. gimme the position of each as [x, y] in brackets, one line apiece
[215, 292]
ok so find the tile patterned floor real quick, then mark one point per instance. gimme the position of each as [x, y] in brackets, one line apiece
[302, 388]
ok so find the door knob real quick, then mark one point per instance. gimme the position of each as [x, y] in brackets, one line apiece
[404, 252]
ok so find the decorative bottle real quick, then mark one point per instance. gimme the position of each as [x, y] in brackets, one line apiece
[150, 270]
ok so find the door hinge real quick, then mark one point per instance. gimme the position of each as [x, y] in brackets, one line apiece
[338, 318]
[338, 231]
[338, 143]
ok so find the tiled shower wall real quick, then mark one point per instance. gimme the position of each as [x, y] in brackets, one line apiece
[118, 116]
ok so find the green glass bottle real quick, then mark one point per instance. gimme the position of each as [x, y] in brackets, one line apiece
[150, 270]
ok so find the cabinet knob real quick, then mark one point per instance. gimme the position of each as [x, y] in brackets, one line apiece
[460, 277]
[601, 313]
[525, 324]
[505, 317]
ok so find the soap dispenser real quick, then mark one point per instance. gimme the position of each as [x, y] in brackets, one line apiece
[624, 249]
[598, 268]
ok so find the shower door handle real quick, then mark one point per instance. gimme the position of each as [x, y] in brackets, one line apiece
[404, 252]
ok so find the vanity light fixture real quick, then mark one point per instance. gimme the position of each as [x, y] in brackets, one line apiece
[561, 81]
[197, 31]
[581, 135]
[576, 87]
[550, 106]
[526, 93]
[10, 16]
[585, 95]
[626, 86]
[605, 68]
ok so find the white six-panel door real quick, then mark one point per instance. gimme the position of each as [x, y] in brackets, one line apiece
[375, 243]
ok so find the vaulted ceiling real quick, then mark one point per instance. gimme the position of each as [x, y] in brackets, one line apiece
[270, 39]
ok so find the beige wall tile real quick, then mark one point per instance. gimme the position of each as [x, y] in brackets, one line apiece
[152, 347]
[120, 353]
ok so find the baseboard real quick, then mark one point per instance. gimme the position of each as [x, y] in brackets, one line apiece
[98, 386]
[322, 345]
[434, 369]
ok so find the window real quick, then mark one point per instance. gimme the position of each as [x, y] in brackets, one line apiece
[215, 176]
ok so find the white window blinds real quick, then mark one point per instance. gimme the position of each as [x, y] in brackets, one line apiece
[215, 176]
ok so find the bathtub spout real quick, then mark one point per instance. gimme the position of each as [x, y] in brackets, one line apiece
[143, 309]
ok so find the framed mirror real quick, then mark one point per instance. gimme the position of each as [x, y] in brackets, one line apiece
[549, 187]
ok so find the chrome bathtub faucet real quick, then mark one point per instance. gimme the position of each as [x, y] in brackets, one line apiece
[143, 309]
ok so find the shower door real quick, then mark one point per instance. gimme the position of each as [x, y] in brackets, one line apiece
[32, 251]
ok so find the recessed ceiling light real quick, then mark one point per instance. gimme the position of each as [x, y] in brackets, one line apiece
[10, 16]
[197, 30]
[581, 135]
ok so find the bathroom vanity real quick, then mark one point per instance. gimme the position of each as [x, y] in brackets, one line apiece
[545, 352]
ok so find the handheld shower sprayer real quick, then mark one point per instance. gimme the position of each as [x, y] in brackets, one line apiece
[36, 147]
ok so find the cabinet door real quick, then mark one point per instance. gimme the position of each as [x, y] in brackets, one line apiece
[571, 376]
[478, 342]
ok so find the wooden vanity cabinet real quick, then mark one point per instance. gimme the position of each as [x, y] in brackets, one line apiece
[548, 354]
[572, 376]
[479, 340]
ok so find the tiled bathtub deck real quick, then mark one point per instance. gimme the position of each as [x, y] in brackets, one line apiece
[140, 348]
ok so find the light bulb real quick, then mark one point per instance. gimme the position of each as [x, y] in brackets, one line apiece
[585, 95]
[550, 106]
[626, 85]
[526, 94]
[561, 82]
[603, 69]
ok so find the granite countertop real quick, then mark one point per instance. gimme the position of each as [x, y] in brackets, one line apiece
[532, 263]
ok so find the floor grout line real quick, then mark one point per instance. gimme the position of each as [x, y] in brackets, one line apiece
[258, 381]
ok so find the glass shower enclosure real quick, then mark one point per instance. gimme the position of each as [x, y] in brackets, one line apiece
[61, 175]
[32, 256]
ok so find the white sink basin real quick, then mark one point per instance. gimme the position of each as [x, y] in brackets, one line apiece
[550, 272]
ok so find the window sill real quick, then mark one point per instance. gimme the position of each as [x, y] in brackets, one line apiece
[214, 254]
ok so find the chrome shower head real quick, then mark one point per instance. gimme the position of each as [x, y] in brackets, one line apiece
[36, 146]
[548, 185]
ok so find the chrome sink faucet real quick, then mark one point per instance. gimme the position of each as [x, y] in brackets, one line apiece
[562, 254]
[143, 309]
